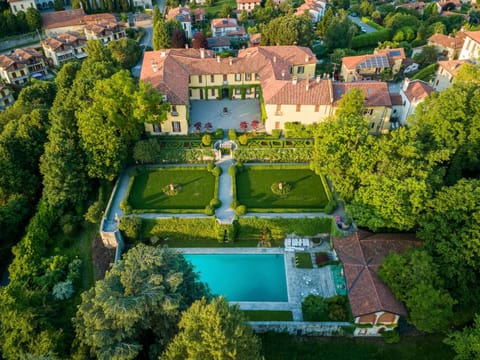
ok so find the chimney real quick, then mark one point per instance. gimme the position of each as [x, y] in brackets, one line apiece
[307, 85]
[274, 59]
[307, 58]
[202, 53]
[163, 53]
[283, 74]
[218, 58]
[318, 78]
[154, 67]
[294, 80]
[230, 60]
[186, 46]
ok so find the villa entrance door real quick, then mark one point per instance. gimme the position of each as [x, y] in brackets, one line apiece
[224, 93]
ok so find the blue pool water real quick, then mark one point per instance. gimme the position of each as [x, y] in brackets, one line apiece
[243, 277]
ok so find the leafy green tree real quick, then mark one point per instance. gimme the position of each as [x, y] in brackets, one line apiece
[161, 38]
[428, 56]
[351, 104]
[34, 19]
[466, 343]
[314, 308]
[339, 32]
[213, 330]
[325, 22]
[288, 30]
[58, 5]
[226, 11]
[135, 309]
[126, 52]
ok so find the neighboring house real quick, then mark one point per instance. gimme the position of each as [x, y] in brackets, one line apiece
[378, 105]
[412, 93]
[314, 8]
[447, 46]
[283, 77]
[446, 72]
[219, 44]
[371, 301]
[397, 110]
[254, 40]
[182, 14]
[64, 47]
[418, 6]
[199, 15]
[371, 67]
[105, 31]
[471, 46]
[21, 5]
[6, 97]
[227, 27]
[58, 22]
[247, 5]
[146, 4]
[17, 67]
[446, 5]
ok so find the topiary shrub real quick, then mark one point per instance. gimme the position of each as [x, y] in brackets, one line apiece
[241, 210]
[232, 134]
[215, 203]
[94, 212]
[217, 171]
[131, 226]
[232, 171]
[209, 210]
[234, 204]
[207, 140]
[281, 188]
[125, 207]
[243, 139]
[330, 207]
[391, 337]
[171, 189]
[210, 166]
[314, 308]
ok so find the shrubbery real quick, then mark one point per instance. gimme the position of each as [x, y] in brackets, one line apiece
[391, 336]
[371, 39]
[131, 226]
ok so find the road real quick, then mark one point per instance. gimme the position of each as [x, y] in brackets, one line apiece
[365, 28]
[146, 41]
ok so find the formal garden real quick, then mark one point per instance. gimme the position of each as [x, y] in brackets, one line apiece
[171, 189]
[281, 188]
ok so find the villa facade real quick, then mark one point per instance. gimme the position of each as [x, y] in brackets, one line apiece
[471, 46]
[16, 68]
[6, 97]
[64, 47]
[281, 77]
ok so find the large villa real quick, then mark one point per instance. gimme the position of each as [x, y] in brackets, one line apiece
[281, 78]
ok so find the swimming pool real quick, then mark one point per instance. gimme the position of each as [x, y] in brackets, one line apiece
[243, 277]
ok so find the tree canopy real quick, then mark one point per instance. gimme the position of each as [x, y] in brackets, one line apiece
[212, 331]
[136, 307]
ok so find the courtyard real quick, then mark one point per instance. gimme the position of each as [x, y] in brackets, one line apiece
[223, 114]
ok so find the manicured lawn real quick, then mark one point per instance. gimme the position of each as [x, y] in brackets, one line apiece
[267, 315]
[212, 11]
[254, 189]
[282, 346]
[197, 189]
[303, 261]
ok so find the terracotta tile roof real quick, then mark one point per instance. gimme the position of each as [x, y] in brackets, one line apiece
[20, 58]
[452, 66]
[96, 18]
[447, 41]
[224, 23]
[104, 28]
[474, 35]
[396, 99]
[362, 255]
[376, 92]
[351, 62]
[304, 92]
[64, 41]
[417, 90]
[179, 13]
[64, 18]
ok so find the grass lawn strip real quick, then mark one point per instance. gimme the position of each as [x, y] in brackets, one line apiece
[254, 189]
[268, 315]
[303, 260]
[197, 189]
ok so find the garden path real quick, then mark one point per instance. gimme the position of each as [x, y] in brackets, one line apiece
[225, 213]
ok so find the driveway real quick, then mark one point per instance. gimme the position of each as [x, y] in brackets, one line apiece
[365, 28]
[144, 42]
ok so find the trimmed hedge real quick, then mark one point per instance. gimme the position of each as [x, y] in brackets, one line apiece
[372, 39]
[273, 155]
[427, 73]
[251, 227]
[373, 24]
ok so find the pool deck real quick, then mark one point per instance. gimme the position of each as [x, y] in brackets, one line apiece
[300, 282]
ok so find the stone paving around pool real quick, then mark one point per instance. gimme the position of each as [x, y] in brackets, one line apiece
[300, 282]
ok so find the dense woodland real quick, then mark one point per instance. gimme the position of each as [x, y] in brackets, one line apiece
[64, 142]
